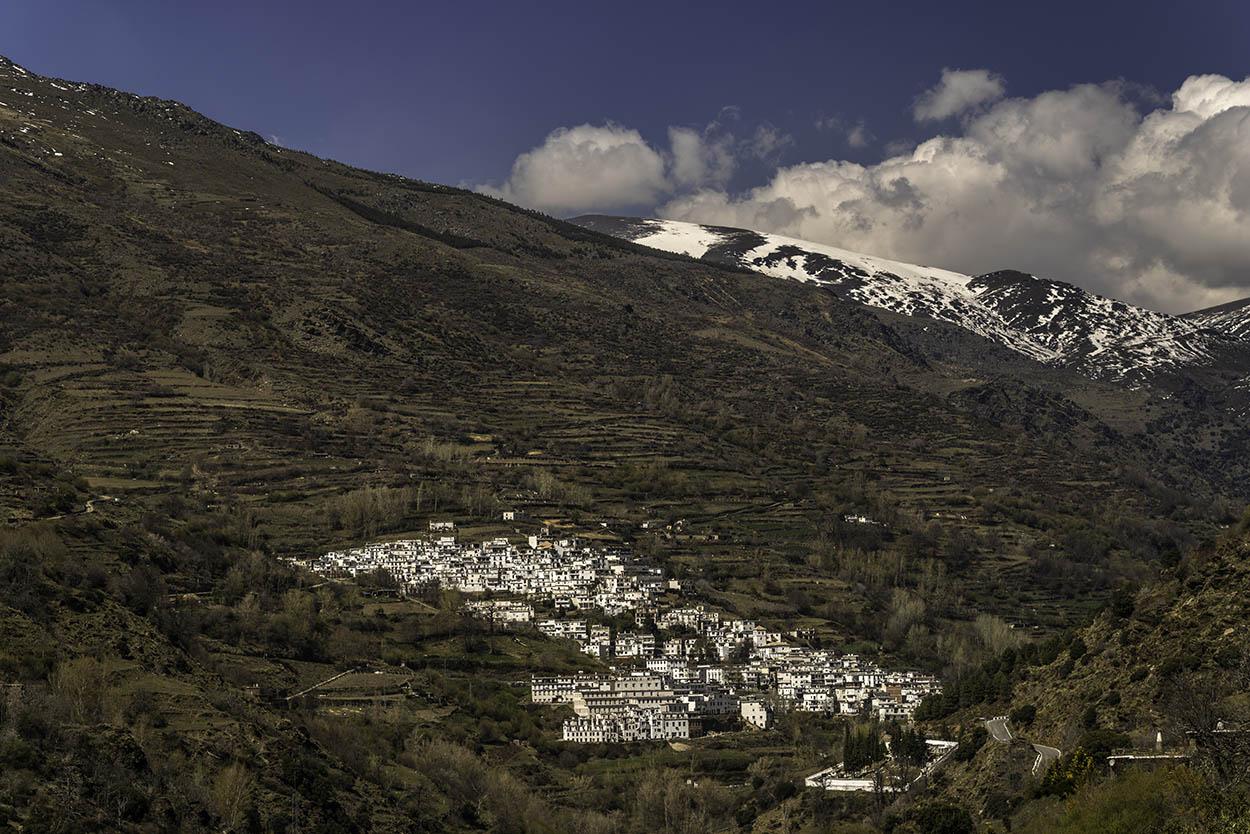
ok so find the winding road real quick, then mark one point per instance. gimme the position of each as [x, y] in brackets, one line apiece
[1046, 756]
[1000, 730]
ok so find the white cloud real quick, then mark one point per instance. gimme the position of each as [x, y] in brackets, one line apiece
[768, 142]
[1075, 184]
[1140, 198]
[856, 135]
[606, 167]
[957, 92]
[586, 167]
[859, 136]
[700, 158]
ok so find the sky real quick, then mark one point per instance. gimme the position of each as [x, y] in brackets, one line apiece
[1103, 143]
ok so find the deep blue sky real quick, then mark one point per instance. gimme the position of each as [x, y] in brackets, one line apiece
[452, 91]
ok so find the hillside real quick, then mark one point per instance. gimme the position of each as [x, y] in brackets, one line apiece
[217, 352]
[201, 309]
[1158, 679]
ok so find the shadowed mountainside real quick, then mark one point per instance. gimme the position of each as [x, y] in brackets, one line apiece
[217, 351]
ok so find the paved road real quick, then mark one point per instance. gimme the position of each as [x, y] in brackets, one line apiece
[999, 731]
[1045, 757]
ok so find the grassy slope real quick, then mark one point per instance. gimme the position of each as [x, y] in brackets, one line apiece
[226, 336]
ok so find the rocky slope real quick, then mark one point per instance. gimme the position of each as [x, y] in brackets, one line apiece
[1049, 321]
[1232, 318]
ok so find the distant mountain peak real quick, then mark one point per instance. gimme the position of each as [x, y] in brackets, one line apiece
[1050, 321]
[1232, 318]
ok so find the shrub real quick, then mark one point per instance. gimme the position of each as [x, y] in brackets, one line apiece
[1069, 773]
[79, 683]
[941, 818]
[1023, 714]
[1099, 743]
[970, 743]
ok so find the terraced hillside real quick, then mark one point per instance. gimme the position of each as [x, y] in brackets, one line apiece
[217, 351]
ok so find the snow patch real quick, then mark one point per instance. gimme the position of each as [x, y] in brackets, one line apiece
[1049, 321]
[684, 238]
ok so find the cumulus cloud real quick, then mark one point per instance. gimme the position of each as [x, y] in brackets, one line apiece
[700, 158]
[586, 167]
[605, 167]
[1144, 199]
[957, 92]
[1077, 184]
[768, 142]
[859, 136]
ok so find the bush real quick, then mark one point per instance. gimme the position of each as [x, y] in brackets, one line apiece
[941, 818]
[1069, 773]
[1023, 714]
[1099, 743]
[1138, 801]
[970, 743]
[79, 683]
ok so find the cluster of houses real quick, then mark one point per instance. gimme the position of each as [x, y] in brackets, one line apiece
[564, 573]
[688, 663]
[640, 706]
[691, 645]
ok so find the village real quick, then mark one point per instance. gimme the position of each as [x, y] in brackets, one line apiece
[677, 673]
[564, 573]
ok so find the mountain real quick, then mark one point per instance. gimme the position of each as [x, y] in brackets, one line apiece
[1048, 321]
[218, 353]
[1232, 318]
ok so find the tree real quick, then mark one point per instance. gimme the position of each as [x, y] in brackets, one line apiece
[941, 818]
[80, 685]
[861, 748]
[232, 795]
[1069, 773]
[970, 743]
[1023, 714]
[908, 747]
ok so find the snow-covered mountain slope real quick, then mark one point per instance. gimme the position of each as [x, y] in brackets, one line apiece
[1050, 321]
[1232, 318]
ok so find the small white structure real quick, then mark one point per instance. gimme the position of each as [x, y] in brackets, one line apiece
[506, 611]
[442, 526]
[832, 779]
[509, 515]
[757, 714]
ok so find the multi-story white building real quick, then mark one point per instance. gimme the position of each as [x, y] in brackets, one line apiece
[560, 690]
[637, 726]
[506, 611]
[757, 714]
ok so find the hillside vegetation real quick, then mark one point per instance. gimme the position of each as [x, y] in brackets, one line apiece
[217, 352]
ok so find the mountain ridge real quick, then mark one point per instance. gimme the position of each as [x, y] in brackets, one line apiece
[1049, 321]
[1232, 317]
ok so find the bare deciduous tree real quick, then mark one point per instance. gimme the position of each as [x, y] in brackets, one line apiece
[232, 795]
